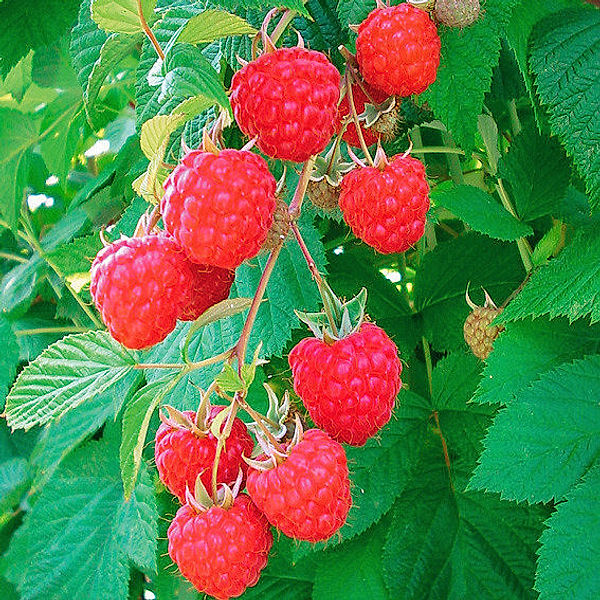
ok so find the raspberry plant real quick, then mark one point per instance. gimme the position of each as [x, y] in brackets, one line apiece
[214, 385]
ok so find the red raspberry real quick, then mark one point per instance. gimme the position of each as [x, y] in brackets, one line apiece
[398, 50]
[181, 455]
[209, 285]
[350, 387]
[220, 207]
[360, 99]
[139, 286]
[288, 98]
[387, 208]
[307, 496]
[221, 551]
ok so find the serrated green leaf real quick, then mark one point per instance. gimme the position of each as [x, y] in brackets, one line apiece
[121, 15]
[9, 359]
[547, 245]
[76, 256]
[354, 12]
[18, 133]
[136, 420]
[565, 58]
[155, 134]
[14, 481]
[212, 25]
[537, 172]
[82, 508]
[229, 380]
[547, 438]
[443, 277]
[527, 349]
[568, 286]
[480, 211]
[297, 5]
[465, 74]
[66, 374]
[570, 545]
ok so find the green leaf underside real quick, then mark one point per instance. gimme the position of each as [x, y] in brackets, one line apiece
[121, 15]
[480, 211]
[65, 375]
[544, 441]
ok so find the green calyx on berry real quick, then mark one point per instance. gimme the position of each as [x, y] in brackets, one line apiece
[200, 500]
[277, 414]
[331, 167]
[338, 319]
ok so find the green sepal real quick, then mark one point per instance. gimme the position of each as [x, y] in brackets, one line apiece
[331, 167]
[372, 112]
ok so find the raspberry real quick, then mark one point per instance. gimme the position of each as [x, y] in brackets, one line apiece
[478, 332]
[219, 207]
[288, 98]
[323, 195]
[208, 286]
[280, 227]
[139, 286]
[398, 50]
[181, 455]
[387, 208]
[307, 496]
[360, 98]
[350, 386]
[457, 13]
[221, 551]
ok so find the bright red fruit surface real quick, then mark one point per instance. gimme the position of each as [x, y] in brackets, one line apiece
[360, 98]
[307, 497]
[387, 208]
[221, 551]
[181, 455]
[288, 98]
[398, 50]
[220, 207]
[208, 286]
[139, 286]
[350, 387]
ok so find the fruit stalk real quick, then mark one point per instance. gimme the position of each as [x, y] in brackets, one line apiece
[149, 33]
[349, 78]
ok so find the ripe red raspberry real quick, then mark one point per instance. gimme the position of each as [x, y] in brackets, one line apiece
[139, 286]
[478, 332]
[398, 50]
[387, 208]
[182, 455]
[208, 286]
[221, 551]
[288, 98]
[349, 387]
[219, 207]
[307, 496]
[360, 98]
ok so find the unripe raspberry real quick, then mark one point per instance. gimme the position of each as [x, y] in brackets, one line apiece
[221, 551]
[140, 285]
[219, 207]
[387, 124]
[457, 13]
[288, 99]
[398, 50]
[307, 496]
[323, 195]
[478, 332]
[182, 454]
[280, 227]
[386, 208]
[349, 387]
[208, 286]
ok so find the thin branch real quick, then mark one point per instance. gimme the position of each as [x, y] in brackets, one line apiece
[363, 144]
[149, 33]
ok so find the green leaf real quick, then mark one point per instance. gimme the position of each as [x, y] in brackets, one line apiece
[448, 544]
[65, 375]
[155, 134]
[17, 134]
[212, 25]
[354, 12]
[570, 545]
[565, 59]
[527, 349]
[76, 256]
[14, 482]
[547, 245]
[353, 570]
[9, 359]
[121, 15]
[297, 5]
[568, 286]
[443, 277]
[135, 428]
[480, 211]
[537, 172]
[547, 438]
[465, 74]
[82, 508]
